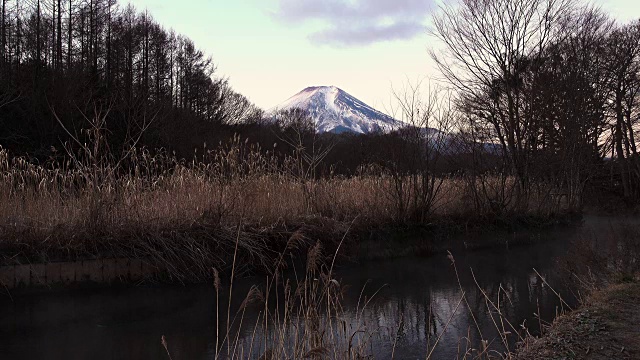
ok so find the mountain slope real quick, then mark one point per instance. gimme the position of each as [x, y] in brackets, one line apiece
[334, 110]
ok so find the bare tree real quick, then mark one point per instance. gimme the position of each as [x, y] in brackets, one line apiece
[622, 65]
[415, 151]
[299, 131]
[3, 31]
[95, 153]
[569, 95]
[491, 49]
[6, 99]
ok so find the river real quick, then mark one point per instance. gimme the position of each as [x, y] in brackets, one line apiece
[417, 298]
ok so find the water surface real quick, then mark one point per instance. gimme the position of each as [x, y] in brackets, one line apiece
[417, 299]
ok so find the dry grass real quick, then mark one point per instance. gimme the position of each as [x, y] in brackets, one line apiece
[603, 275]
[300, 316]
[154, 205]
[607, 327]
[303, 317]
[160, 190]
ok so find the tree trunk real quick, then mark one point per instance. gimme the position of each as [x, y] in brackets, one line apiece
[52, 43]
[108, 55]
[18, 34]
[3, 32]
[59, 40]
[619, 146]
[69, 38]
[38, 48]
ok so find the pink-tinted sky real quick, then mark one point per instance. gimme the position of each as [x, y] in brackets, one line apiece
[271, 49]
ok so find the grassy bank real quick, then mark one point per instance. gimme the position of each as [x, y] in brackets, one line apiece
[606, 327]
[188, 216]
[605, 275]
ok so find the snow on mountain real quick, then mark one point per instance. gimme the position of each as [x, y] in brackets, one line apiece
[334, 110]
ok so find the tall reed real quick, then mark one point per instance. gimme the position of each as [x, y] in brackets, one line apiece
[152, 204]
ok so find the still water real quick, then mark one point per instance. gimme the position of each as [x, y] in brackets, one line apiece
[417, 298]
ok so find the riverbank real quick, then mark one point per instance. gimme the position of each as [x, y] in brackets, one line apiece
[606, 327]
[185, 218]
[399, 293]
[604, 272]
[188, 253]
[412, 296]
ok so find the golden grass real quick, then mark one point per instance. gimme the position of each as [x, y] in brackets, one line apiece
[44, 199]
[73, 205]
[300, 317]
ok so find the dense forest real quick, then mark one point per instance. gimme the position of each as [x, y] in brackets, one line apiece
[555, 83]
[62, 61]
[553, 87]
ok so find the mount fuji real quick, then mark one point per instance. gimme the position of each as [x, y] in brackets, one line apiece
[334, 110]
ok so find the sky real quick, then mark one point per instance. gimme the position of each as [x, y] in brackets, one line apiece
[271, 49]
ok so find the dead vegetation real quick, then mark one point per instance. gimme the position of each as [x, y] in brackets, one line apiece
[604, 275]
[300, 316]
[185, 214]
[604, 328]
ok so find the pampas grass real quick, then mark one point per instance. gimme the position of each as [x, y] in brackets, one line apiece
[183, 215]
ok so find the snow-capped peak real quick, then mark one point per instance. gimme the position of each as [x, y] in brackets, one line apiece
[334, 110]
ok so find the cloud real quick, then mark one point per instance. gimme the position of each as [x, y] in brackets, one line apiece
[357, 22]
[367, 34]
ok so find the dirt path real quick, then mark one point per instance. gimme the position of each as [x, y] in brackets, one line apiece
[606, 328]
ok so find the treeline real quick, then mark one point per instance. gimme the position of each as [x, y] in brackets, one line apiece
[554, 83]
[77, 72]
[62, 61]
[546, 98]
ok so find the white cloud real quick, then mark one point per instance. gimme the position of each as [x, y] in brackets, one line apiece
[358, 22]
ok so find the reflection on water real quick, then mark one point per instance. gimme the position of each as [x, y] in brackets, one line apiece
[422, 296]
[417, 300]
